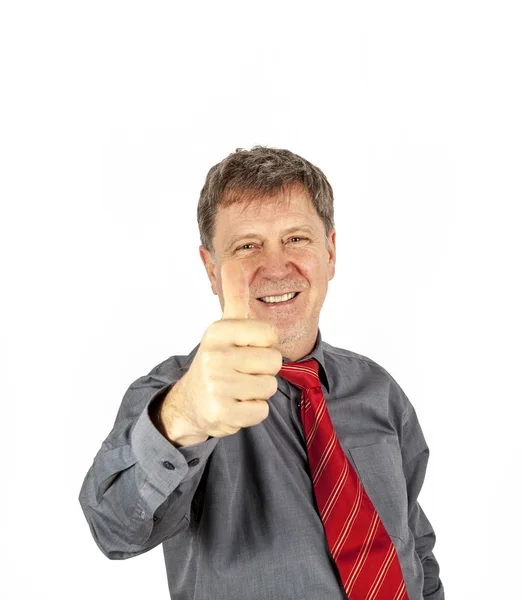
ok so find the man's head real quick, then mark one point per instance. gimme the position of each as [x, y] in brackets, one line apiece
[273, 211]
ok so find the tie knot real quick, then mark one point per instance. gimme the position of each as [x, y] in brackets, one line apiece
[302, 374]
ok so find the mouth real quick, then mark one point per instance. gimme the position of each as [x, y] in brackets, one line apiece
[282, 304]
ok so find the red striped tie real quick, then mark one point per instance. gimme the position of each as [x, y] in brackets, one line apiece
[363, 552]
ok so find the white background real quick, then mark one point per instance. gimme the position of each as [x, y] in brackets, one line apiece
[112, 114]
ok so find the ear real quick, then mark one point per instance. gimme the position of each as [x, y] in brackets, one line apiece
[331, 254]
[210, 268]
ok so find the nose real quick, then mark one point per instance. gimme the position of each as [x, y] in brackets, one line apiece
[274, 263]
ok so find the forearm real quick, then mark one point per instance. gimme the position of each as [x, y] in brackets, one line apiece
[121, 511]
[415, 453]
[125, 523]
[139, 488]
[424, 543]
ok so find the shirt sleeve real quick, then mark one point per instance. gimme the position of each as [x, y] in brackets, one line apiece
[415, 453]
[139, 489]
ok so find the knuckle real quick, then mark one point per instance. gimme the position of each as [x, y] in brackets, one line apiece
[266, 331]
[277, 358]
[210, 358]
[265, 410]
[213, 332]
[271, 385]
[260, 413]
[213, 366]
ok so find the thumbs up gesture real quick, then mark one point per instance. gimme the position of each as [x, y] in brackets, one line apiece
[232, 375]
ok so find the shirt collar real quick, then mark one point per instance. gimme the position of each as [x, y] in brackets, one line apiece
[317, 354]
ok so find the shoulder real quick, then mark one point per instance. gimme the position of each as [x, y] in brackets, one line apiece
[340, 357]
[342, 353]
[176, 365]
[365, 373]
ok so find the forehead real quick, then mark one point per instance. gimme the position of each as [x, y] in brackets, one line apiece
[266, 213]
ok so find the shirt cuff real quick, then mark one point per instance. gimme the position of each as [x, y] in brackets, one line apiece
[165, 465]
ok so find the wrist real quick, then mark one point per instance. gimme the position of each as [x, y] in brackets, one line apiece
[167, 417]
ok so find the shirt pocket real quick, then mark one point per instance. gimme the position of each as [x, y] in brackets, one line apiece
[379, 467]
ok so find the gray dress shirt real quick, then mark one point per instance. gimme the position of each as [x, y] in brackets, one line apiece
[237, 515]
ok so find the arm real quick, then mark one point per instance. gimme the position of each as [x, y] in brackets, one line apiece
[139, 489]
[415, 453]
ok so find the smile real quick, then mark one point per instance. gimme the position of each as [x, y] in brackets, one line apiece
[281, 304]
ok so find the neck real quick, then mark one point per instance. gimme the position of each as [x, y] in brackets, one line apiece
[294, 349]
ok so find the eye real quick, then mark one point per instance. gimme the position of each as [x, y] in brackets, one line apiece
[244, 246]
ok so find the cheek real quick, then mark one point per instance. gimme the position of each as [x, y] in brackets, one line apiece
[314, 271]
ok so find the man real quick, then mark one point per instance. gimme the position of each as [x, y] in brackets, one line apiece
[269, 464]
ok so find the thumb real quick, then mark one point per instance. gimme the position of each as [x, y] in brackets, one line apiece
[236, 295]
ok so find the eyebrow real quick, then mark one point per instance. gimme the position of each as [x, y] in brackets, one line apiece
[241, 236]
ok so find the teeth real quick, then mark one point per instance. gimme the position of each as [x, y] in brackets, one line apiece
[279, 298]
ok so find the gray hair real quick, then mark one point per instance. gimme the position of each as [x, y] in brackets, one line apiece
[247, 176]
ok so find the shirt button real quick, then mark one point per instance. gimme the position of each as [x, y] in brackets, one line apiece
[193, 462]
[168, 465]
